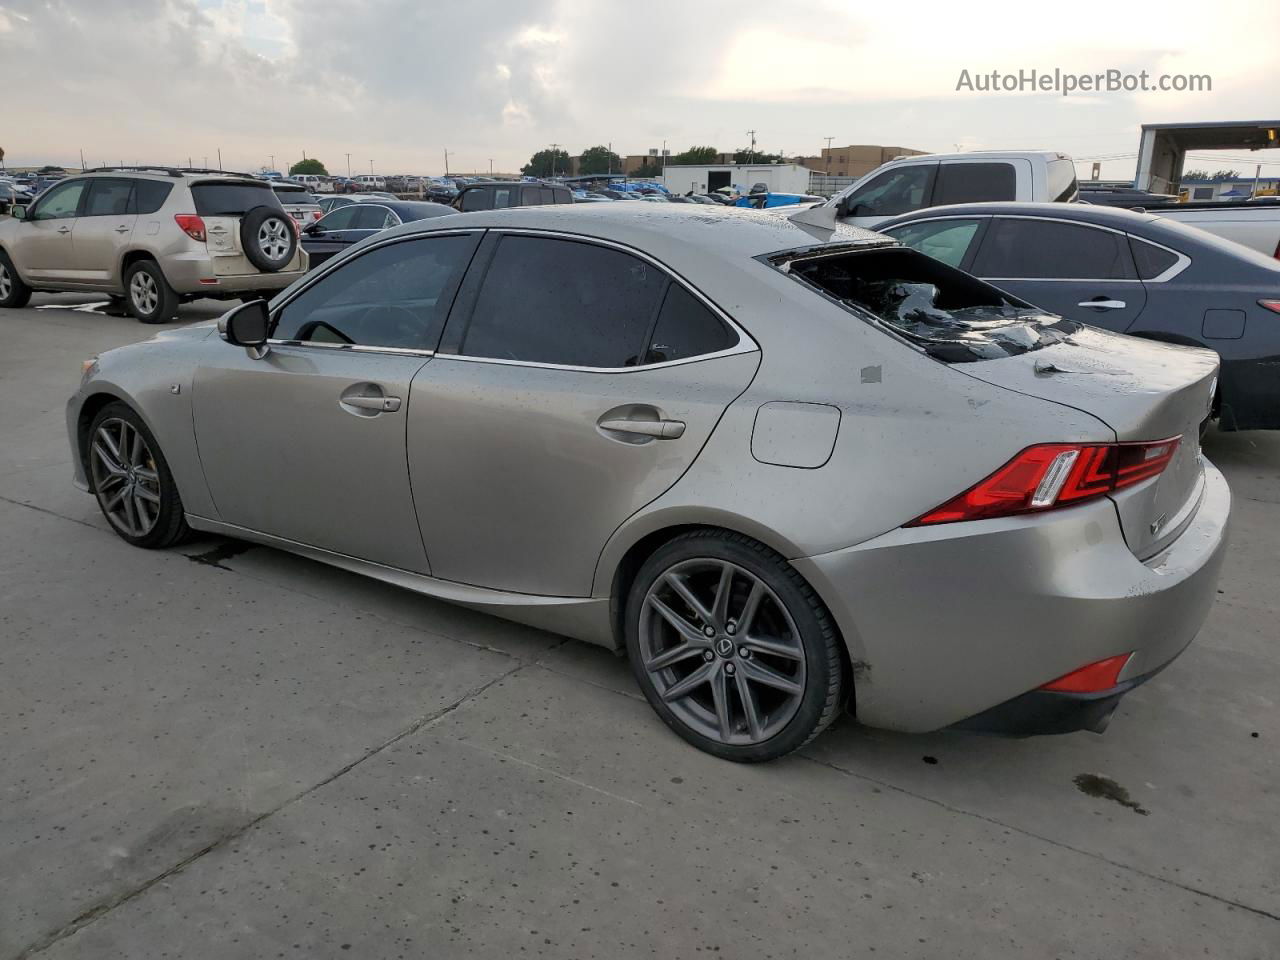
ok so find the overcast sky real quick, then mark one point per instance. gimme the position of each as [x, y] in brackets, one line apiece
[400, 81]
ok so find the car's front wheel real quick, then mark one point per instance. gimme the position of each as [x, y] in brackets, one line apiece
[732, 647]
[13, 292]
[131, 480]
[150, 297]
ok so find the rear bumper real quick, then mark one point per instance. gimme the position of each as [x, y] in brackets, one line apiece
[197, 275]
[946, 623]
[1040, 712]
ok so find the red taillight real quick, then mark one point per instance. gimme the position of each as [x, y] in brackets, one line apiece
[1272, 305]
[1051, 475]
[317, 214]
[191, 225]
[1095, 678]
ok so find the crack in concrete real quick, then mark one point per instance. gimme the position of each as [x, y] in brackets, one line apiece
[105, 907]
[960, 811]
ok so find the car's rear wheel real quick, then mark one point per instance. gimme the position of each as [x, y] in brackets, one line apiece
[732, 647]
[150, 298]
[13, 292]
[131, 480]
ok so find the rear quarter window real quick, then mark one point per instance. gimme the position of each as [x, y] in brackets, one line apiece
[150, 195]
[231, 199]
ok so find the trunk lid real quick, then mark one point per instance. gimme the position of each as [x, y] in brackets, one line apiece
[1142, 390]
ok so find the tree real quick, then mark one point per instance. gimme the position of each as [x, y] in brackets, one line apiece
[1196, 174]
[599, 160]
[546, 163]
[696, 156]
[758, 156]
[1225, 175]
[649, 168]
[311, 165]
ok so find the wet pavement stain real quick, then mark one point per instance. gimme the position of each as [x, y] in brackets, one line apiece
[223, 551]
[1107, 789]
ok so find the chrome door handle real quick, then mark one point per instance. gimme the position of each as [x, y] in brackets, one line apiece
[377, 404]
[658, 429]
[64, 229]
[122, 229]
[1102, 304]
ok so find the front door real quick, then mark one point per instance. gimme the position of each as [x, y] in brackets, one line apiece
[44, 248]
[103, 229]
[576, 383]
[308, 443]
[1073, 269]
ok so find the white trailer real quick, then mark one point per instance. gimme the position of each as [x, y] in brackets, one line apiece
[778, 177]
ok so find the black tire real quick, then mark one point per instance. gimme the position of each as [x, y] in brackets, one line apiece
[149, 297]
[13, 292]
[269, 238]
[818, 661]
[117, 306]
[168, 524]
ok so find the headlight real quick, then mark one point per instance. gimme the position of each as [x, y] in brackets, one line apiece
[88, 369]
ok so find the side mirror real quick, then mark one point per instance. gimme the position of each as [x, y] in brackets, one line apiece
[18, 211]
[313, 230]
[248, 326]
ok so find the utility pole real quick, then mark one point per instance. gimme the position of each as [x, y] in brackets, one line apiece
[664, 161]
[751, 153]
[491, 166]
[828, 139]
[609, 159]
[82, 160]
[554, 148]
[219, 158]
[348, 166]
[1257, 175]
[370, 168]
[446, 163]
[273, 160]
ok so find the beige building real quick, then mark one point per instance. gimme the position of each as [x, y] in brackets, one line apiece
[856, 160]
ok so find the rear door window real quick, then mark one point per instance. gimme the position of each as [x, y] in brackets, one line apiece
[475, 200]
[108, 197]
[974, 183]
[231, 199]
[372, 217]
[339, 219]
[1026, 249]
[396, 295]
[563, 302]
[945, 240]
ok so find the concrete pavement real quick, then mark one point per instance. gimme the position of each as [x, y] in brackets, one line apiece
[226, 751]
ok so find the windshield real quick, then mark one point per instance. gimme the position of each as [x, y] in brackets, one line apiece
[951, 315]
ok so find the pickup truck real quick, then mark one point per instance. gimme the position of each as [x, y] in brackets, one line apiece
[935, 179]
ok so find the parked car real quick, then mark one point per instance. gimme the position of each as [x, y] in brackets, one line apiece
[351, 223]
[908, 184]
[152, 236]
[370, 182]
[1254, 222]
[314, 182]
[298, 201]
[761, 201]
[553, 406]
[506, 193]
[1133, 273]
[345, 185]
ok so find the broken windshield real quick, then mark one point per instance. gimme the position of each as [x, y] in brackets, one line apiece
[951, 315]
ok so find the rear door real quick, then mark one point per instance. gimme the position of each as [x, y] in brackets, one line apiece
[308, 442]
[1075, 270]
[982, 181]
[575, 383]
[43, 248]
[104, 228]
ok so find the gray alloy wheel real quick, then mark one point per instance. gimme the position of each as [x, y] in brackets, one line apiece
[6, 281]
[144, 292]
[273, 239]
[722, 651]
[126, 478]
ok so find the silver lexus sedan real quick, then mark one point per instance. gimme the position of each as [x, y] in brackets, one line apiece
[786, 469]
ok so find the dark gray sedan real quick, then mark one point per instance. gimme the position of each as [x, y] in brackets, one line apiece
[1133, 273]
[347, 225]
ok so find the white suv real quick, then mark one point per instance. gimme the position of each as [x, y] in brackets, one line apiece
[153, 237]
[370, 182]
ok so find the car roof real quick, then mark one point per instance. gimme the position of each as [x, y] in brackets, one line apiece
[424, 207]
[673, 232]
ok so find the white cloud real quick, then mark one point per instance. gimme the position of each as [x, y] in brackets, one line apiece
[400, 81]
